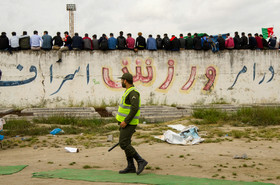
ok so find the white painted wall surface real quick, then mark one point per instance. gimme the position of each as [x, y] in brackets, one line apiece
[77, 92]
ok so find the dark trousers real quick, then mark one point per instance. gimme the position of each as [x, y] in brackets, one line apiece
[125, 139]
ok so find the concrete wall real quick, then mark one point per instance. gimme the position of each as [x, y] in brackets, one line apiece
[86, 78]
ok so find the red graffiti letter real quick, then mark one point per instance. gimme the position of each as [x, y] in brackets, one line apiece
[139, 76]
[211, 75]
[191, 79]
[169, 76]
[107, 80]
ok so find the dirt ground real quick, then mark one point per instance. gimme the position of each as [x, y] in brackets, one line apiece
[207, 160]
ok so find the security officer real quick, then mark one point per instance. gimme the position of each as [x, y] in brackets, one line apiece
[128, 118]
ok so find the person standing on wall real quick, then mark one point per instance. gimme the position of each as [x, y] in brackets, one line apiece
[128, 118]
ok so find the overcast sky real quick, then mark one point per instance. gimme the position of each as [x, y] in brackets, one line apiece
[148, 16]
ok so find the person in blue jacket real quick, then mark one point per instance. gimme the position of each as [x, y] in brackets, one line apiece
[112, 42]
[151, 43]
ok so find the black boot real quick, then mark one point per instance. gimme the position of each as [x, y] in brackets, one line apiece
[130, 166]
[59, 60]
[141, 163]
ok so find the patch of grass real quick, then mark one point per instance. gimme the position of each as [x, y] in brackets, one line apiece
[255, 116]
[152, 139]
[217, 140]
[215, 132]
[267, 133]
[18, 125]
[72, 163]
[220, 101]
[196, 165]
[148, 167]
[238, 134]
[70, 141]
[141, 135]
[215, 175]
[57, 120]
[87, 167]
[23, 127]
[71, 125]
[259, 116]
[93, 125]
[209, 116]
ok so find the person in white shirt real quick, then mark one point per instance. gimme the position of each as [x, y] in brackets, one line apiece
[35, 41]
[14, 42]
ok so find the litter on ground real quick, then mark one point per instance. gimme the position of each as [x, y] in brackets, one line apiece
[56, 131]
[243, 156]
[186, 136]
[71, 150]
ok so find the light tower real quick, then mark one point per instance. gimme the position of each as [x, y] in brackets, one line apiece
[71, 8]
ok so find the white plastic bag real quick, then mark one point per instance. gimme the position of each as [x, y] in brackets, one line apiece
[174, 138]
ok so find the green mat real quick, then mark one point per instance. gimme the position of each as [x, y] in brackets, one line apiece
[8, 170]
[112, 176]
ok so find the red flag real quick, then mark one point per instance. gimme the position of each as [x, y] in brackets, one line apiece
[270, 31]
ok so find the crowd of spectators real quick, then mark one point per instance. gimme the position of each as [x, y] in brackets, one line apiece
[196, 42]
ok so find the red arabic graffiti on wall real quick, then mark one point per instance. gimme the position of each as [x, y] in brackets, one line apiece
[138, 75]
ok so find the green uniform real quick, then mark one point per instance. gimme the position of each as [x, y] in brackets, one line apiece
[129, 112]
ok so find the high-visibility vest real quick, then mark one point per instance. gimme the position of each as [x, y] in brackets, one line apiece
[124, 108]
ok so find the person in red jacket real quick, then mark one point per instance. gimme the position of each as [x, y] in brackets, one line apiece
[229, 42]
[259, 41]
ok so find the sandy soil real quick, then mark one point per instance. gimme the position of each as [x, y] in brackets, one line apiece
[203, 160]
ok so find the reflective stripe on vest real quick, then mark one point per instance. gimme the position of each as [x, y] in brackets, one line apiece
[124, 108]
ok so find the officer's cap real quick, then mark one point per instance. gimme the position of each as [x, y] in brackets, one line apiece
[127, 76]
